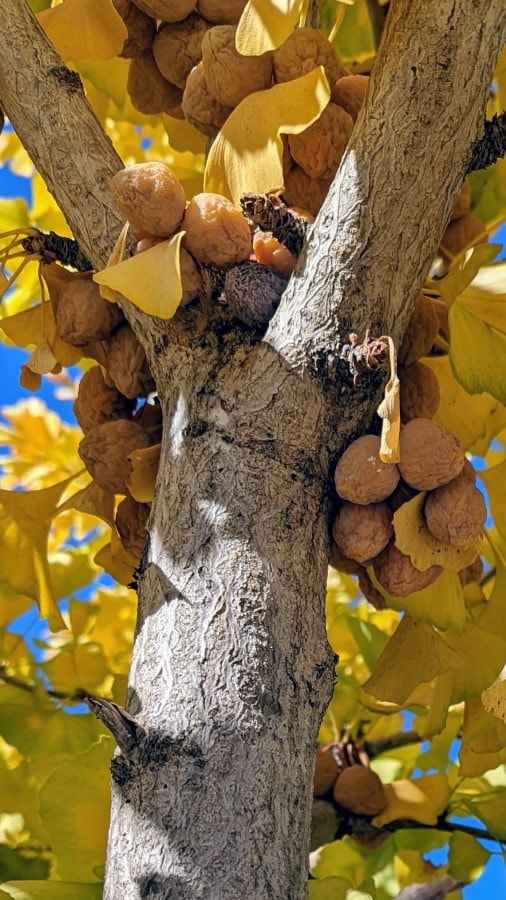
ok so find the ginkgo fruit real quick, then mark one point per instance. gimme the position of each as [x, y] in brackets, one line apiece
[253, 292]
[167, 10]
[421, 332]
[325, 773]
[362, 532]
[83, 316]
[97, 402]
[430, 455]
[151, 198]
[360, 475]
[126, 364]
[199, 106]
[141, 28]
[104, 451]
[304, 50]
[148, 90]
[178, 47]
[230, 76]
[221, 12]
[397, 574]
[215, 231]
[319, 149]
[131, 520]
[349, 93]
[419, 392]
[456, 512]
[359, 790]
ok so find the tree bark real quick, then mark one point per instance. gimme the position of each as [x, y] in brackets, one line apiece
[231, 670]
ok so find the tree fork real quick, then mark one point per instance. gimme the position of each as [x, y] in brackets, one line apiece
[230, 670]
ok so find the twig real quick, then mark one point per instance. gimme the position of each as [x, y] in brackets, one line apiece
[381, 745]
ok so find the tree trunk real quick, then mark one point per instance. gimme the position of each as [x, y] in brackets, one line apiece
[231, 670]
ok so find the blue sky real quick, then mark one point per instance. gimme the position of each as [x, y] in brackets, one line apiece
[492, 884]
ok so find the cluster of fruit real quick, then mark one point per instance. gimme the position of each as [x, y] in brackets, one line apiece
[432, 461]
[344, 787]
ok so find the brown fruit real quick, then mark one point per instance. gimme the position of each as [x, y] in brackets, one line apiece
[216, 232]
[303, 191]
[231, 77]
[341, 562]
[456, 512]
[361, 532]
[325, 772]
[421, 332]
[141, 28]
[167, 10]
[370, 839]
[177, 48]
[127, 366]
[349, 93]
[461, 234]
[97, 403]
[369, 591]
[304, 50]
[104, 452]
[253, 292]
[221, 12]
[151, 198]
[190, 277]
[83, 316]
[430, 455]
[201, 109]
[419, 392]
[150, 416]
[397, 574]
[359, 790]
[148, 90]
[131, 520]
[462, 204]
[361, 477]
[324, 824]
[320, 147]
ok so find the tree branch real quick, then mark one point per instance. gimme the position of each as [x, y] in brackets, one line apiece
[491, 146]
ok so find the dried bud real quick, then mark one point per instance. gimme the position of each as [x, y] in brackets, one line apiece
[253, 292]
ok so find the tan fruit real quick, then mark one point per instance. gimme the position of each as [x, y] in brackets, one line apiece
[361, 477]
[419, 392]
[221, 12]
[270, 252]
[148, 90]
[361, 532]
[430, 455]
[369, 591]
[421, 332]
[456, 512]
[131, 520]
[201, 109]
[141, 28]
[397, 574]
[190, 277]
[303, 51]
[151, 198]
[178, 48]
[231, 77]
[349, 93]
[325, 773]
[320, 147]
[462, 204]
[167, 10]
[97, 403]
[359, 790]
[303, 191]
[461, 234]
[126, 365]
[216, 232]
[83, 316]
[104, 452]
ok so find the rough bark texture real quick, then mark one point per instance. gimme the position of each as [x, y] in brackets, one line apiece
[231, 670]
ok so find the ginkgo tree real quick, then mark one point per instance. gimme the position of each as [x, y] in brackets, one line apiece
[209, 668]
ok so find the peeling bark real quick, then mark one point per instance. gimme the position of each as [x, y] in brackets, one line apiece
[231, 670]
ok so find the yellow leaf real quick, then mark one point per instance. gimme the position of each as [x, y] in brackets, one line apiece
[390, 411]
[482, 655]
[266, 24]
[441, 603]
[38, 326]
[93, 501]
[151, 280]
[477, 353]
[413, 538]
[116, 561]
[494, 480]
[483, 744]
[42, 359]
[115, 258]
[475, 419]
[84, 29]
[415, 653]
[494, 698]
[142, 480]
[183, 136]
[422, 800]
[25, 519]
[246, 155]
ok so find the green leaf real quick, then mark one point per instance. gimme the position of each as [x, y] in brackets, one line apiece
[51, 890]
[369, 638]
[338, 889]
[467, 857]
[14, 865]
[78, 829]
